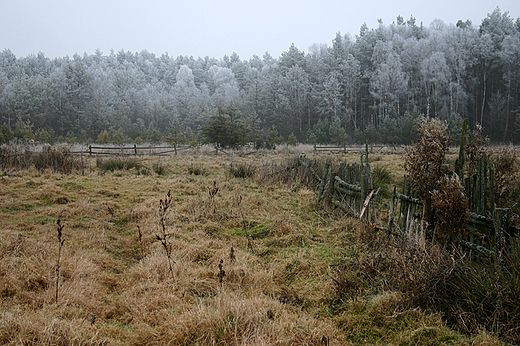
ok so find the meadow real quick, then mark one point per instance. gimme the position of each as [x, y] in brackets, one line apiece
[254, 260]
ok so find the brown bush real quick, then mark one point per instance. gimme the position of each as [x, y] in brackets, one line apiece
[507, 177]
[425, 161]
[21, 157]
[450, 206]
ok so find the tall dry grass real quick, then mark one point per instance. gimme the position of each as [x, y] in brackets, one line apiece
[116, 286]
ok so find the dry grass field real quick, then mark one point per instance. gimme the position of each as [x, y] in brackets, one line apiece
[276, 249]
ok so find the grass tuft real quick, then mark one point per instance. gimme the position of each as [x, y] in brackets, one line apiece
[197, 170]
[242, 170]
[118, 164]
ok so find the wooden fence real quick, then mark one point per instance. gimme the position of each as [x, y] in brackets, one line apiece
[348, 187]
[135, 150]
[406, 214]
[487, 228]
[63, 159]
[330, 148]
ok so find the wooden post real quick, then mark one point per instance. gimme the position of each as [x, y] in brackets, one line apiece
[459, 164]
[329, 189]
[323, 181]
[82, 164]
[492, 187]
[484, 188]
[90, 150]
[502, 224]
[135, 149]
[71, 162]
[391, 213]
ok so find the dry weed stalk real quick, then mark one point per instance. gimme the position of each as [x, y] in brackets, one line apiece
[232, 254]
[163, 207]
[140, 234]
[59, 228]
[91, 317]
[245, 224]
[212, 193]
[221, 272]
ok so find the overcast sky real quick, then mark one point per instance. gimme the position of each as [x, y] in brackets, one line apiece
[211, 28]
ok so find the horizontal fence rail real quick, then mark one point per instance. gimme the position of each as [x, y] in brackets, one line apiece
[135, 150]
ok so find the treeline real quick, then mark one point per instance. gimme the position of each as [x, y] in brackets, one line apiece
[369, 88]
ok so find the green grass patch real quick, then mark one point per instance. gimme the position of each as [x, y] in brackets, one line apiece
[71, 186]
[22, 207]
[40, 220]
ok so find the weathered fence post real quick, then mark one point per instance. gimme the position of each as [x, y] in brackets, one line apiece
[90, 150]
[71, 160]
[323, 181]
[329, 189]
[391, 212]
[135, 149]
[82, 164]
[459, 163]
[502, 224]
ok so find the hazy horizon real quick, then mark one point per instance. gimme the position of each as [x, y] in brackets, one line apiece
[203, 28]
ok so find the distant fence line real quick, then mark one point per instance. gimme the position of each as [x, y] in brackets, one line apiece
[357, 148]
[64, 159]
[136, 150]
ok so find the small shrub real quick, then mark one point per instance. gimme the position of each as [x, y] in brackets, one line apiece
[450, 206]
[196, 170]
[117, 164]
[159, 169]
[382, 178]
[425, 161]
[143, 171]
[57, 158]
[287, 172]
[292, 140]
[242, 170]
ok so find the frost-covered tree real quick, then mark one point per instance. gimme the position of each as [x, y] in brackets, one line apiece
[226, 86]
